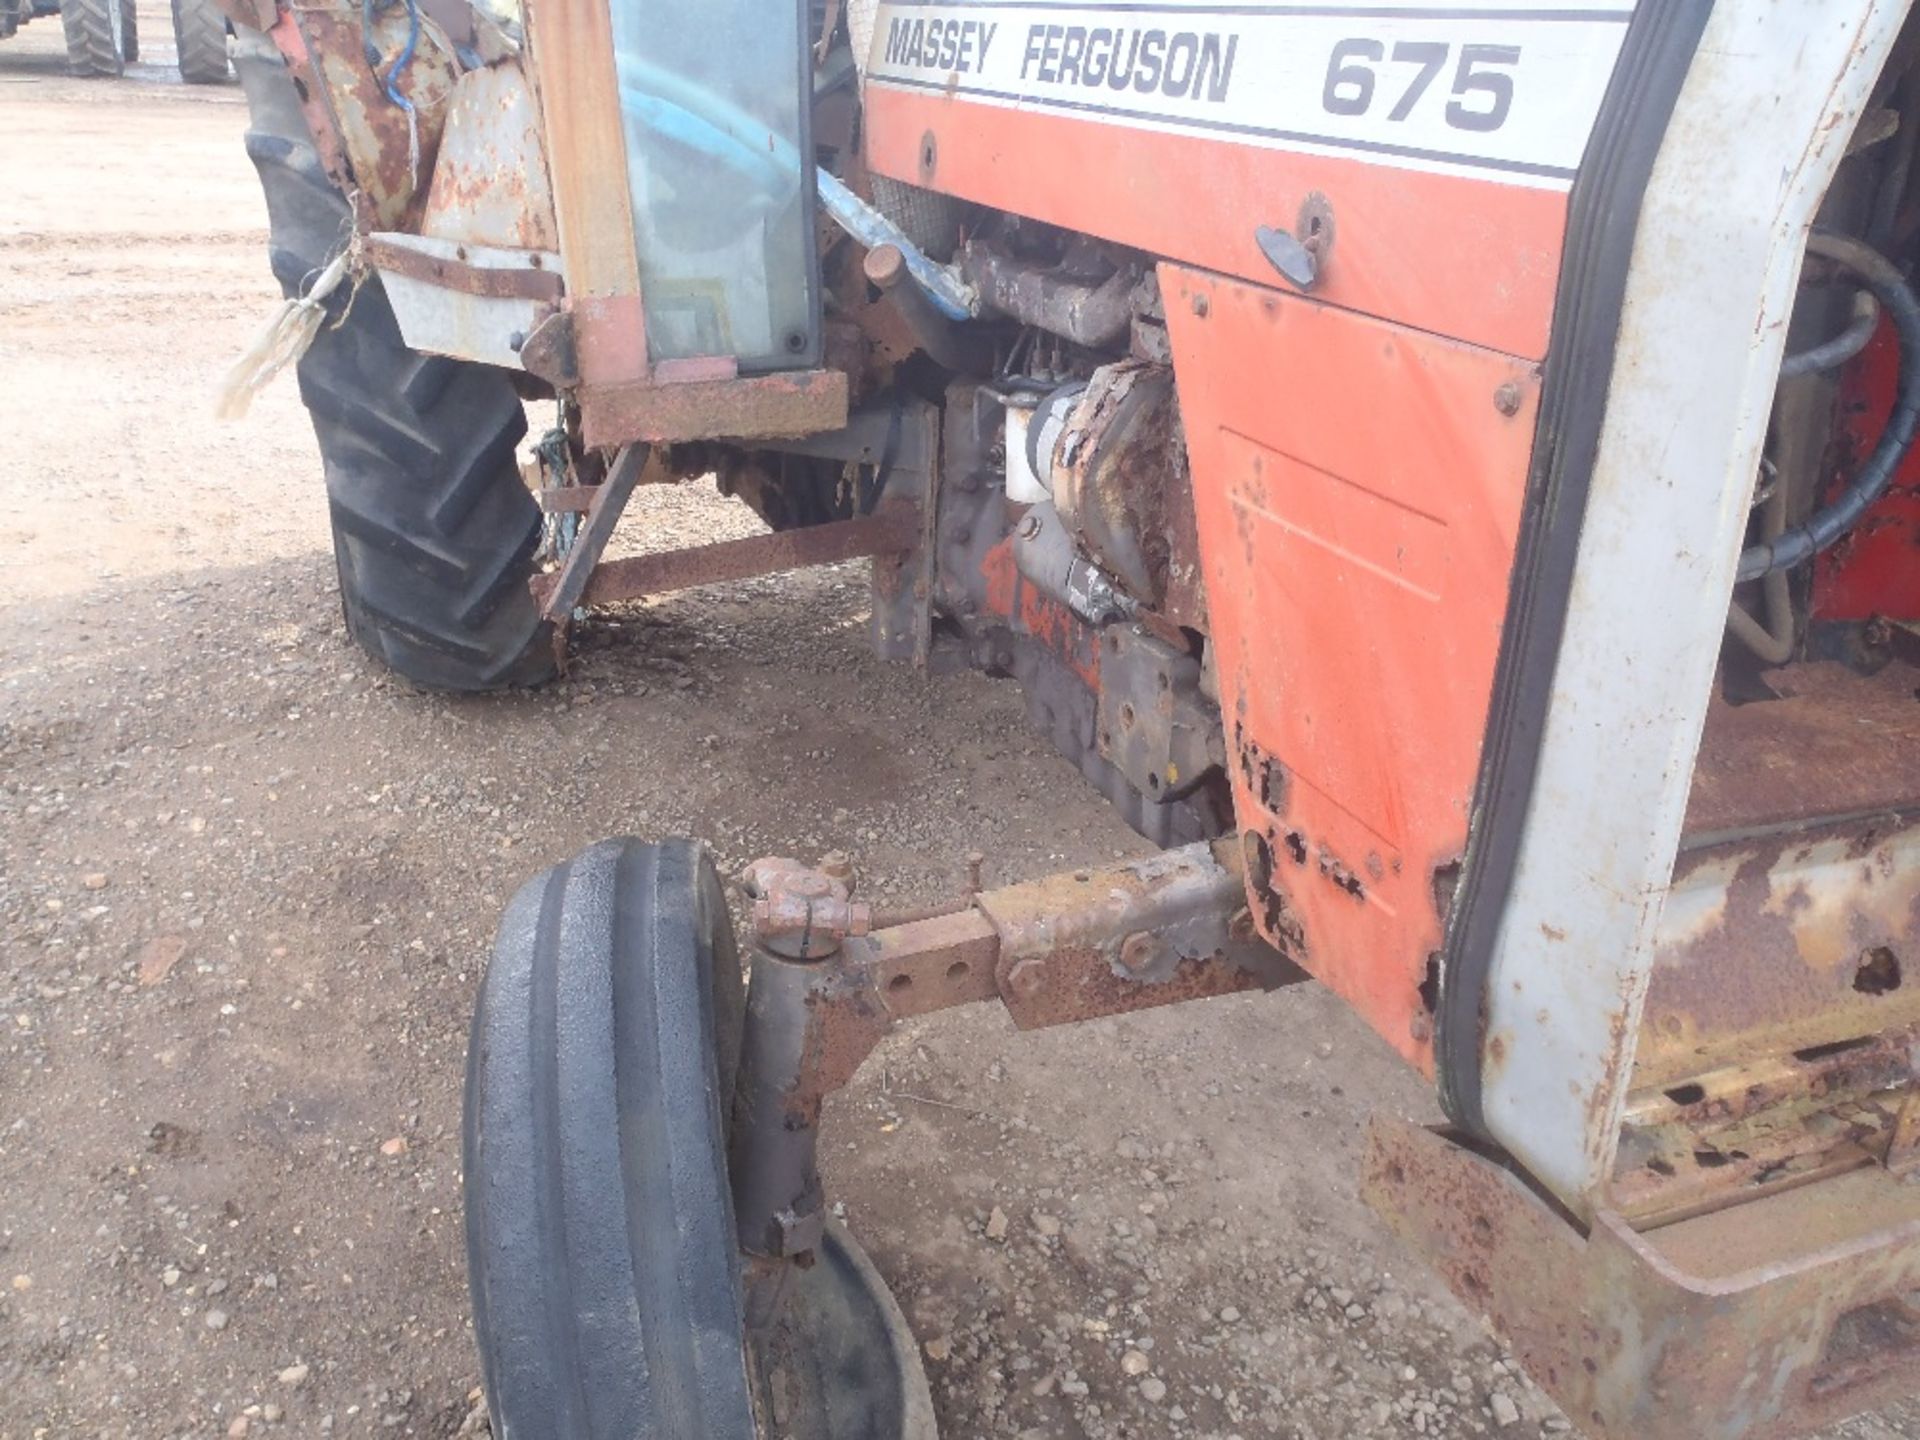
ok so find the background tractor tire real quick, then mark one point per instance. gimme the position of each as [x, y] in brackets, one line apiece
[433, 529]
[95, 36]
[129, 31]
[200, 40]
[601, 1252]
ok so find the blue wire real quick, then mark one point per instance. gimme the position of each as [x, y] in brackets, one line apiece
[390, 81]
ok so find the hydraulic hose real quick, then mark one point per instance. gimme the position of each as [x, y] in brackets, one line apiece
[1842, 347]
[1800, 544]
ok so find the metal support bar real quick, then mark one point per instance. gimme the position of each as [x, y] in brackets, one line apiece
[558, 593]
[886, 532]
[1091, 942]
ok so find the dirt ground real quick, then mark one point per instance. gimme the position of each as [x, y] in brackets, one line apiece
[247, 882]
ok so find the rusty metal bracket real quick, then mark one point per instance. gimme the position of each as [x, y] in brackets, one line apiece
[888, 531]
[1775, 1317]
[1168, 928]
[747, 407]
[1099, 941]
[531, 278]
[558, 593]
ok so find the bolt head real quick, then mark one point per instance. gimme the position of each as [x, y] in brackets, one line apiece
[1506, 399]
[1140, 950]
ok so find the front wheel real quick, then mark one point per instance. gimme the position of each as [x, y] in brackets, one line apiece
[96, 36]
[434, 531]
[601, 1252]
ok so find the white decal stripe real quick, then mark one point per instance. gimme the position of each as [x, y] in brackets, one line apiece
[1507, 92]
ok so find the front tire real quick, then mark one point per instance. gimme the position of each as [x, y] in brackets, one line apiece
[434, 531]
[600, 1241]
[95, 37]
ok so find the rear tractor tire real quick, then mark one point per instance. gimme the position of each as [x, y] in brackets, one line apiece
[601, 1250]
[434, 531]
[129, 31]
[200, 41]
[97, 36]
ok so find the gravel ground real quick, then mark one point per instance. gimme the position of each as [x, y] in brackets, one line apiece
[247, 881]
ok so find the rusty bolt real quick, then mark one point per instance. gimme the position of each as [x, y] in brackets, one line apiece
[838, 865]
[1140, 951]
[1026, 978]
[1507, 399]
[1200, 306]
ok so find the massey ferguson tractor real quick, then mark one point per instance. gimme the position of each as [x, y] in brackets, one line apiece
[1445, 473]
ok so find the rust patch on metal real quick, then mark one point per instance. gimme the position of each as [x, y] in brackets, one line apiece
[1763, 1320]
[311, 91]
[754, 407]
[1064, 939]
[1775, 945]
[490, 181]
[1834, 743]
[376, 134]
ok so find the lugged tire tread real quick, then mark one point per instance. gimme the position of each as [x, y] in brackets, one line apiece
[89, 30]
[200, 41]
[434, 530]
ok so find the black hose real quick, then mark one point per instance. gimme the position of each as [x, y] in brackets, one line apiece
[1842, 347]
[1821, 529]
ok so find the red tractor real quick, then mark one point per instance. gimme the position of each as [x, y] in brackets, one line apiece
[1446, 474]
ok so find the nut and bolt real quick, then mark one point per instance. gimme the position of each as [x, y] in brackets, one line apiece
[1201, 306]
[803, 913]
[1030, 526]
[1026, 978]
[1140, 951]
[1507, 399]
[838, 865]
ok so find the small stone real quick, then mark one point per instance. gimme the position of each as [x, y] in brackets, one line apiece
[170, 1276]
[1505, 1412]
[1153, 1389]
[23, 1283]
[271, 1413]
[238, 1429]
[939, 1348]
[997, 1224]
[94, 881]
[215, 1319]
[1135, 1362]
[396, 1146]
[295, 1375]
[1045, 1225]
[1229, 1315]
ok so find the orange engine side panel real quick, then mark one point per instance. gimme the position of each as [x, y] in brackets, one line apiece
[1358, 487]
[1456, 254]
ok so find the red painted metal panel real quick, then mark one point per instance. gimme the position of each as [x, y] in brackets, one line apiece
[1357, 539]
[1872, 571]
[1458, 255]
